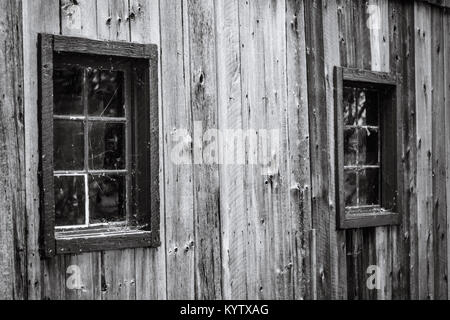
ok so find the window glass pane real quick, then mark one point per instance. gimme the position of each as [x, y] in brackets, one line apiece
[350, 188]
[69, 201]
[369, 194]
[368, 147]
[367, 108]
[107, 196]
[350, 146]
[68, 91]
[106, 93]
[68, 145]
[106, 146]
[349, 107]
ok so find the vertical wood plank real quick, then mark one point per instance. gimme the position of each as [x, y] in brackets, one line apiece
[438, 157]
[150, 263]
[179, 177]
[38, 16]
[401, 62]
[447, 128]
[278, 241]
[206, 172]
[320, 166]
[298, 148]
[422, 14]
[13, 282]
[252, 75]
[332, 58]
[229, 97]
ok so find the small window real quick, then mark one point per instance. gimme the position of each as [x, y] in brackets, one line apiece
[366, 148]
[99, 145]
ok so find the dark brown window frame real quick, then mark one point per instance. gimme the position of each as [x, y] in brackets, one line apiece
[389, 86]
[144, 229]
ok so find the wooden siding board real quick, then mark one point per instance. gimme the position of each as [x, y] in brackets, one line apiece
[38, 16]
[422, 13]
[446, 49]
[400, 61]
[438, 157]
[319, 144]
[13, 283]
[232, 202]
[279, 239]
[177, 117]
[298, 148]
[252, 78]
[337, 238]
[206, 174]
[151, 263]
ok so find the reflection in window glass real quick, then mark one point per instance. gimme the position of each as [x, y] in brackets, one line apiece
[106, 146]
[361, 147]
[90, 137]
[106, 198]
[105, 93]
[68, 145]
[69, 201]
[68, 90]
[350, 188]
[368, 187]
[349, 106]
[350, 146]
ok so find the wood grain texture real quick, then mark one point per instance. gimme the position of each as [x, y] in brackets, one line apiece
[233, 215]
[422, 13]
[298, 147]
[38, 16]
[151, 263]
[320, 165]
[236, 231]
[179, 186]
[332, 58]
[13, 282]
[446, 53]
[438, 156]
[203, 88]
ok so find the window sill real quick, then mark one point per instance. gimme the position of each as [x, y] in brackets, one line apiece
[73, 243]
[375, 218]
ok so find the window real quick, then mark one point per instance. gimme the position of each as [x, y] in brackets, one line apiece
[367, 148]
[100, 144]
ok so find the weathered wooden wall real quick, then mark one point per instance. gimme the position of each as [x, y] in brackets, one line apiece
[12, 155]
[237, 231]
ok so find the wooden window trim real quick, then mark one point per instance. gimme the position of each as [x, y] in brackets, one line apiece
[146, 199]
[390, 163]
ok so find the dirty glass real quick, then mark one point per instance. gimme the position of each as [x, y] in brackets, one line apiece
[69, 201]
[106, 93]
[90, 134]
[106, 198]
[350, 188]
[68, 145]
[68, 90]
[106, 146]
[361, 147]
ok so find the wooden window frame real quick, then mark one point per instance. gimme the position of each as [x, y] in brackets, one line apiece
[389, 87]
[143, 230]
